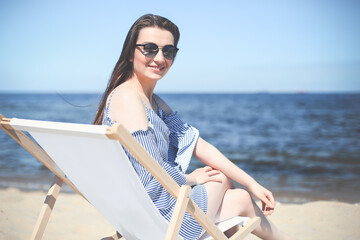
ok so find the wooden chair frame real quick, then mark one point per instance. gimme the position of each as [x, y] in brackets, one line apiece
[118, 132]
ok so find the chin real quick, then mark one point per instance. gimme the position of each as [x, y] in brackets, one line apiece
[157, 76]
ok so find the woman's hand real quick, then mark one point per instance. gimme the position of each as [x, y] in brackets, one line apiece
[203, 175]
[265, 196]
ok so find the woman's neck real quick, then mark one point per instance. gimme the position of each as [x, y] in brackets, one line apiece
[144, 90]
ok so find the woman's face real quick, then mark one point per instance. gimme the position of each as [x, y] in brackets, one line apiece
[152, 68]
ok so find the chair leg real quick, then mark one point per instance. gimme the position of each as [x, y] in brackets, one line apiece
[46, 209]
[248, 228]
[115, 236]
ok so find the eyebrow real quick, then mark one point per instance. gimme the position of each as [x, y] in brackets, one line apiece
[157, 44]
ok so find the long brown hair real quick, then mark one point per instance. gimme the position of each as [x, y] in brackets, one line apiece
[124, 67]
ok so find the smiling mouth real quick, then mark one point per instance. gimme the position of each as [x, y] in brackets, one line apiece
[157, 68]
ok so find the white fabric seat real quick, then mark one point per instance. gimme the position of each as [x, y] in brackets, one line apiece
[93, 159]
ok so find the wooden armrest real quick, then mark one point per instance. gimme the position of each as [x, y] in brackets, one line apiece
[179, 212]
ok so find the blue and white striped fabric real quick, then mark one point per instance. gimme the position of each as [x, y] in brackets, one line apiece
[171, 142]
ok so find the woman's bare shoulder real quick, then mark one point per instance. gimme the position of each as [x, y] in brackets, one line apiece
[127, 108]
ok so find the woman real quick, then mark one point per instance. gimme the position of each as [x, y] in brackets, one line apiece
[148, 53]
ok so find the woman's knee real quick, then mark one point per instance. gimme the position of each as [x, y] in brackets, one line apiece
[244, 201]
[226, 182]
[236, 202]
[239, 197]
[219, 186]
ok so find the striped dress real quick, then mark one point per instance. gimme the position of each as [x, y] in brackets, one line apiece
[171, 143]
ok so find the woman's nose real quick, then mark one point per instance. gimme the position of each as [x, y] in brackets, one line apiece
[159, 57]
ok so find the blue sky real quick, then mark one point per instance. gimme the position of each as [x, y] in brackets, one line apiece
[227, 46]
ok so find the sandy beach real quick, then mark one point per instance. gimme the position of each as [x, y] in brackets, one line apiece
[75, 218]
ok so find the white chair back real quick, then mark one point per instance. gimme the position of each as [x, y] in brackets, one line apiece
[101, 171]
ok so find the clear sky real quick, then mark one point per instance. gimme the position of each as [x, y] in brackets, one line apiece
[225, 46]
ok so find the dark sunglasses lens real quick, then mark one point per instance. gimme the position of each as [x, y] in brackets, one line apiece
[169, 52]
[150, 49]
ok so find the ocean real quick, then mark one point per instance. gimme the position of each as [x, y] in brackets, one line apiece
[302, 147]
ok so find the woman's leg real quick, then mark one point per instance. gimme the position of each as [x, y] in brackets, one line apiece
[225, 203]
[215, 194]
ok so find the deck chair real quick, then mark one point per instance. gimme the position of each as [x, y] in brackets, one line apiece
[91, 160]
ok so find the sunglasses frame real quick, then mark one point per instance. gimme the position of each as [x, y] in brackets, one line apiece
[154, 53]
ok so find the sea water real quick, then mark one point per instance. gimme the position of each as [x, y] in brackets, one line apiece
[302, 147]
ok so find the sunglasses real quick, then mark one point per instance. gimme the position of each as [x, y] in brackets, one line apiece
[151, 49]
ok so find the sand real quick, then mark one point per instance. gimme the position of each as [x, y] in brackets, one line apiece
[74, 218]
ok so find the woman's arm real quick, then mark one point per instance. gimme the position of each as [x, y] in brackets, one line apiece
[127, 108]
[212, 157]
